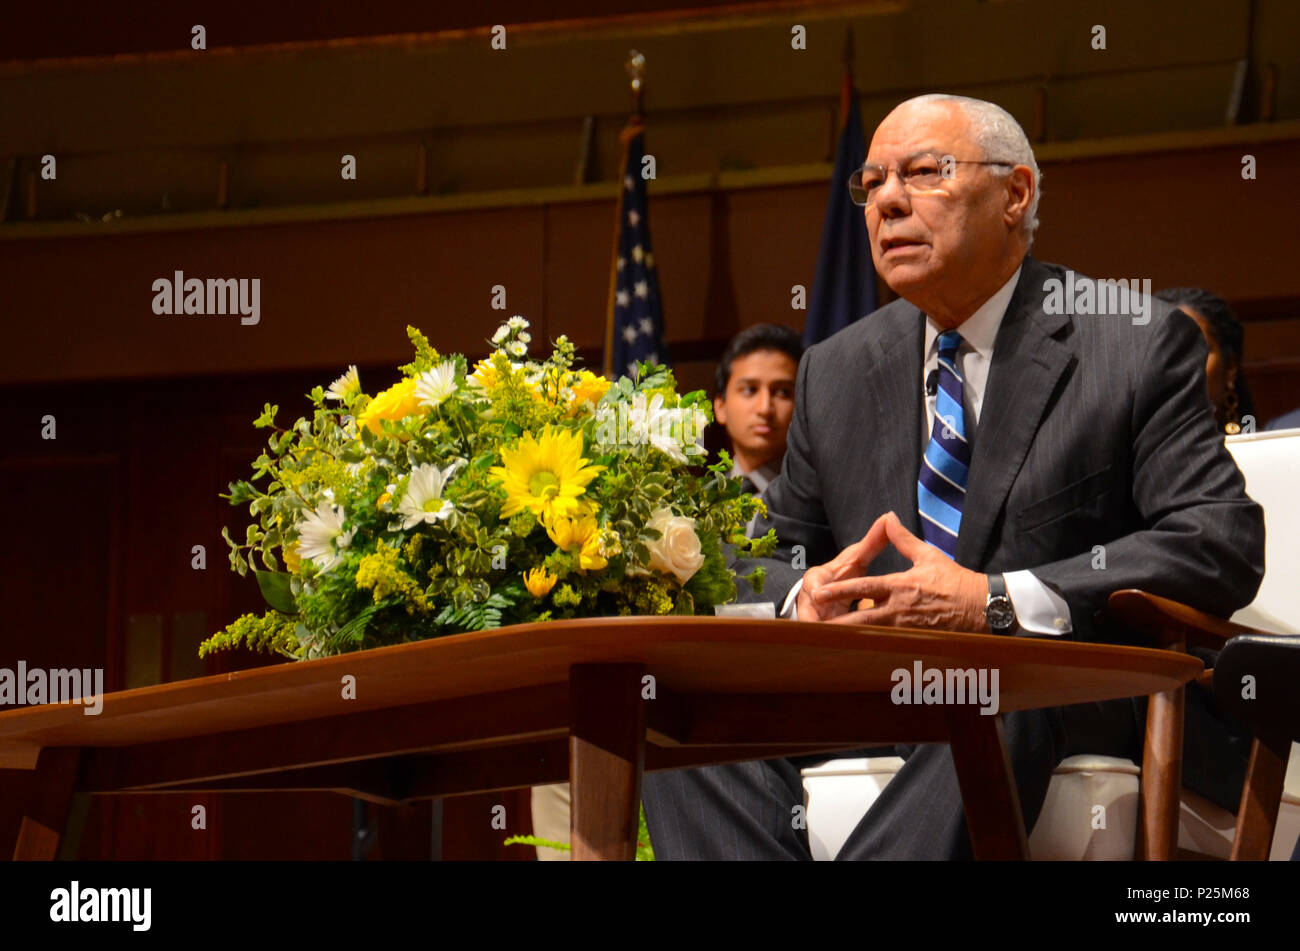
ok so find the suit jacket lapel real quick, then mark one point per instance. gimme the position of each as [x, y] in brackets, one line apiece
[894, 401]
[1027, 363]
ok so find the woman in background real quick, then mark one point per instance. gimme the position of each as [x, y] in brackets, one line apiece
[1227, 384]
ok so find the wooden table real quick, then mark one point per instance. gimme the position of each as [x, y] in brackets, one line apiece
[596, 701]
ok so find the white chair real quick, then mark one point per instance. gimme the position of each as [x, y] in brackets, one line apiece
[839, 792]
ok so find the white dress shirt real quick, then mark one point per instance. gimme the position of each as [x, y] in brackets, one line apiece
[1039, 609]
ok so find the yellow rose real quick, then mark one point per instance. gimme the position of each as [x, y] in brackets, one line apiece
[395, 403]
[539, 583]
[589, 388]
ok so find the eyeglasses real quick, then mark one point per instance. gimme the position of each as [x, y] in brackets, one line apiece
[920, 174]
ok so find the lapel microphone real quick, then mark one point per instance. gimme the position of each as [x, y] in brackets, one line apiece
[932, 383]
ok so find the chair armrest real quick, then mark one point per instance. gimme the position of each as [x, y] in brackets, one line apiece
[1171, 623]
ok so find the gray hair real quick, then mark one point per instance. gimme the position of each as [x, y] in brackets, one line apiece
[1000, 136]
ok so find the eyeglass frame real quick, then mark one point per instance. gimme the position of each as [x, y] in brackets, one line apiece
[894, 169]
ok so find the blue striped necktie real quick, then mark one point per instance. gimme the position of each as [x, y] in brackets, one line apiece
[945, 467]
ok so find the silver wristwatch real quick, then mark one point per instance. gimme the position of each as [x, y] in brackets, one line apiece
[998, 610]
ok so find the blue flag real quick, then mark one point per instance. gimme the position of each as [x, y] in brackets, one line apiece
[637, 331]
[844, 287]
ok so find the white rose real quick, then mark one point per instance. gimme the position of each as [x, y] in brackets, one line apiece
[677, 550]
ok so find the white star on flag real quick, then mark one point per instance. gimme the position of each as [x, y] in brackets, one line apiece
[621, 262]
[641, 289]
[647, 325]
[629, 333]
[628, 183]
[631, 369]
[649, 259]
[637, 253]
[633, 218]
[622, 298]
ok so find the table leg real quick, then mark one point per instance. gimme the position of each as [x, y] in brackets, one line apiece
[1162, 776]
[47, 814]
[606, 759]
[988, 786]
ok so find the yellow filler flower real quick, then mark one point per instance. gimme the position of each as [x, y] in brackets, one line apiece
[545, 475]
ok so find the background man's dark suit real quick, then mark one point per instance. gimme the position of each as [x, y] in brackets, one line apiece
[1093, 431]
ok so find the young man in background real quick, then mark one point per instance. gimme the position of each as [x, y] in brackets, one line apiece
[754, 399]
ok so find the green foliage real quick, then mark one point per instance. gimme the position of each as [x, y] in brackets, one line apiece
[538, 843]
[275, 588]
[271, 633]
[644, 850]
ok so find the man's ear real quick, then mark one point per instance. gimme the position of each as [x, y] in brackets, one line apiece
[720, 410]
[1020, 192]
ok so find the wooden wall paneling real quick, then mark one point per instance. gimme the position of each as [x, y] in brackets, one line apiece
[342, 291]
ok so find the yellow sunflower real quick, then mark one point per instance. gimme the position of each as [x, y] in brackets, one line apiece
[545, 475]
[395, 403]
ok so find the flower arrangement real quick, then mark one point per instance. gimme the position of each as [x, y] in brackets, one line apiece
[466, 498]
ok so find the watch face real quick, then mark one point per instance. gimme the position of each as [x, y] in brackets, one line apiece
[1000, 614]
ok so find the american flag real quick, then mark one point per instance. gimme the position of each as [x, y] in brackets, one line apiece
[638, 327]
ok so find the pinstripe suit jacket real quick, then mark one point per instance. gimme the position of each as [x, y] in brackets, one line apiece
[1096, 464]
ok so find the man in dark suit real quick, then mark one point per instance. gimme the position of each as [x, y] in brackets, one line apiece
[980, 456]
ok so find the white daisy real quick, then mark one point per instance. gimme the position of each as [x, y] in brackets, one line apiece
[423, 501]
[501, 334]
[321, 536]
[437, 384]
[517, 323]
[346, 385]
[516, 348]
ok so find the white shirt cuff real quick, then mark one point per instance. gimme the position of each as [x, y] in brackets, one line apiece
[788, 610]
[1039, 609]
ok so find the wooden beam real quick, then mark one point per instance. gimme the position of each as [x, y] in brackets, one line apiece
[816, 173]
